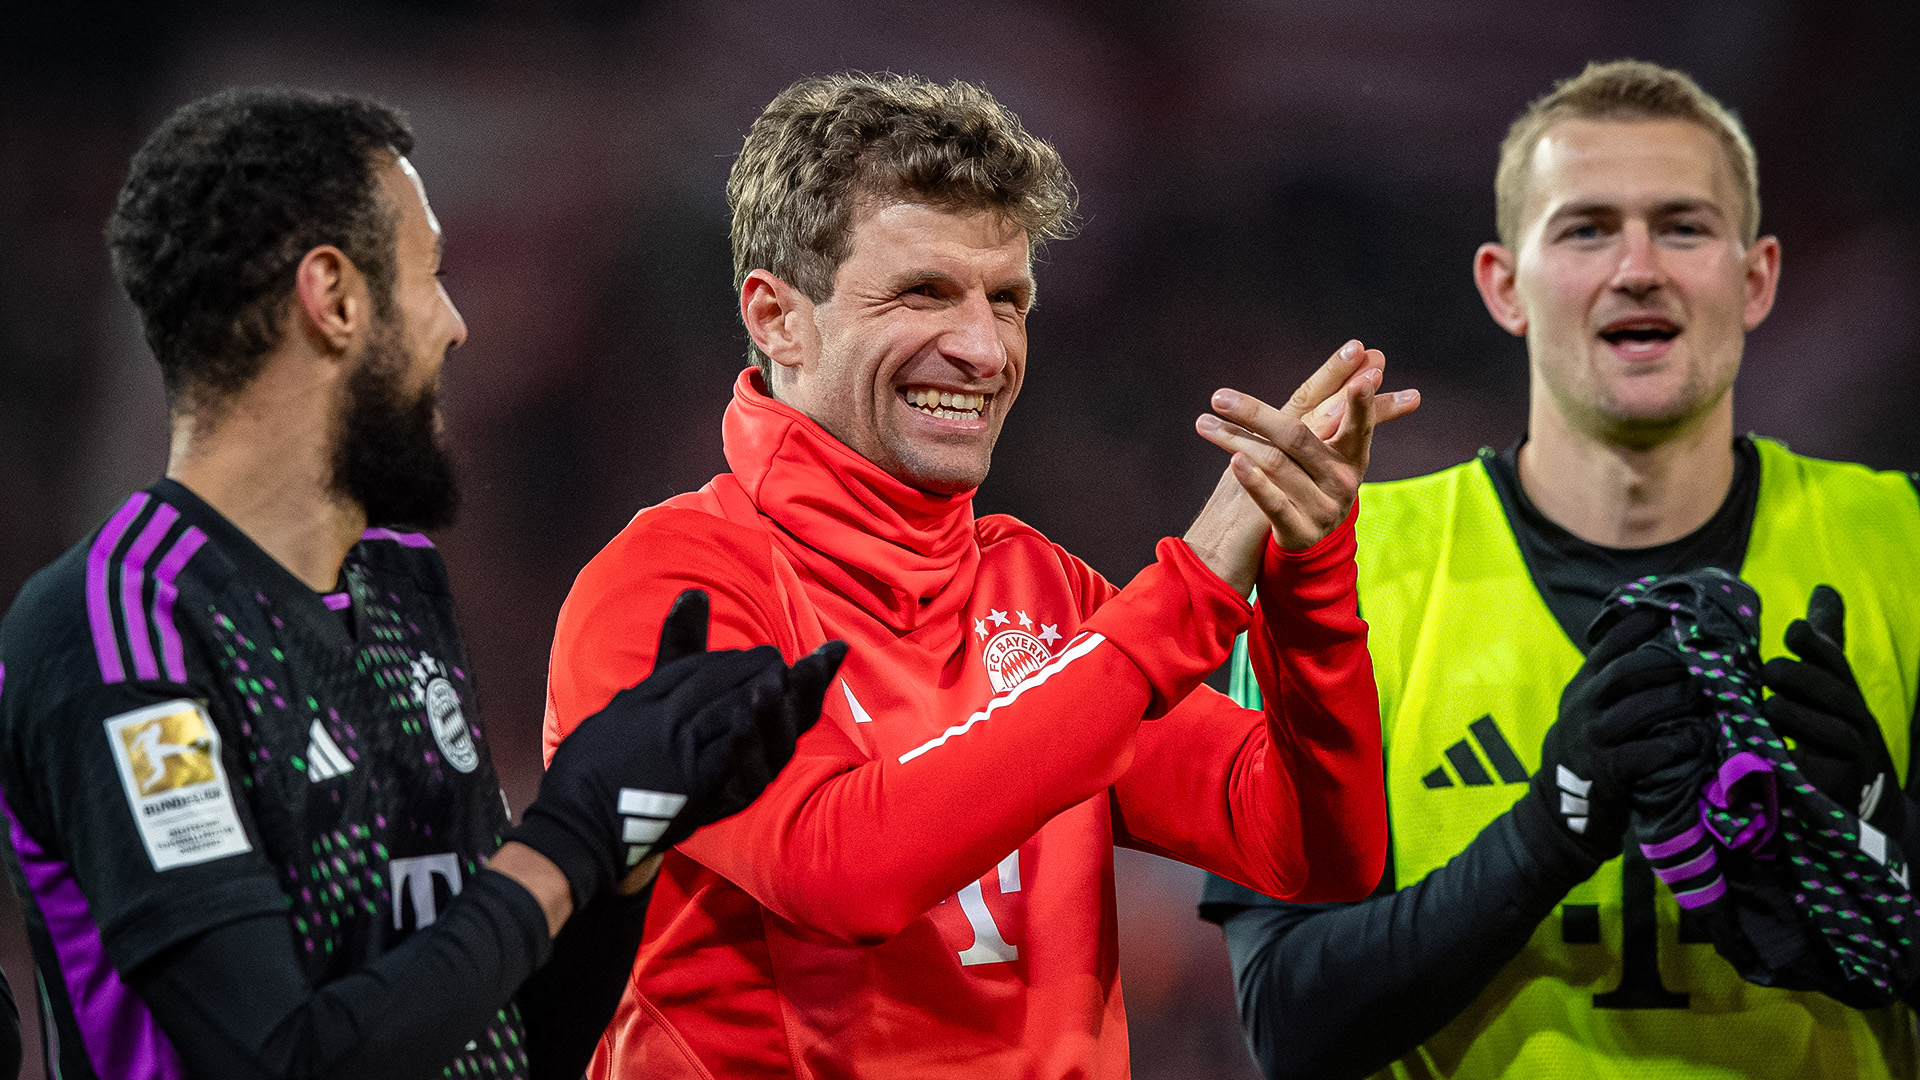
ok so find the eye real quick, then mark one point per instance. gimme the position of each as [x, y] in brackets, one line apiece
[1585, 230]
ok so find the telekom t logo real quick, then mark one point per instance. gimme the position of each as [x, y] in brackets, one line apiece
[417, 874]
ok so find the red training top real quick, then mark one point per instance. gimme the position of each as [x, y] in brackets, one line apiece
[927, 889]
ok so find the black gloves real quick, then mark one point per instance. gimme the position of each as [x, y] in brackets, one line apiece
[695, 742]
[1622, 719]
[1818, 704]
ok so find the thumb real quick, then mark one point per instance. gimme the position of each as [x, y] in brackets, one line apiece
[1828, 614]
[807, 686]
[684, 633]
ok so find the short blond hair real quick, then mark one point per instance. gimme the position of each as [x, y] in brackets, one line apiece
[1622, 90]
[826, 143]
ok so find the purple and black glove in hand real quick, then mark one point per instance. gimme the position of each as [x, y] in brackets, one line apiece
[1625, 724]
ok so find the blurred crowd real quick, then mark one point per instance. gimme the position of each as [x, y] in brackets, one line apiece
[1259, 182]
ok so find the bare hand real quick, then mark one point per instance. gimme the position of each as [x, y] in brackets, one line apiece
[1300, 465]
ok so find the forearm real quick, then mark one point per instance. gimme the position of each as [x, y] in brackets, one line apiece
[569, 1002]
[1343, 990]
[1308, 647]
[235, 1004]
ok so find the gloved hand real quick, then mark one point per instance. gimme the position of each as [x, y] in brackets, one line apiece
[1817, 702]
[1621, 720]
[695, 742]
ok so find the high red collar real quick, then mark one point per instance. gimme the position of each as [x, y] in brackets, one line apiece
[905, 556]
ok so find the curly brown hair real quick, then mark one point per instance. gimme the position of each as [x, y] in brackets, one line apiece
[1623, 90]
[220, 206]
[827, 143]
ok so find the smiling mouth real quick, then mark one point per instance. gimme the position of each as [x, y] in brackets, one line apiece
[945, 404]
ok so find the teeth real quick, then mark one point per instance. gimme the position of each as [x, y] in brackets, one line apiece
[948, 405]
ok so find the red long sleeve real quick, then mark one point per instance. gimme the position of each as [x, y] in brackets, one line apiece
[1292, 803]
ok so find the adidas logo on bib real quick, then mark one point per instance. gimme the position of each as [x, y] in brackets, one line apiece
[1466, 763]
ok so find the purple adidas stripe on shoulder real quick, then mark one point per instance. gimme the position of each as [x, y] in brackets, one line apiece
[133, 580]
[117, 1031]
[164, 594]
[414, 540]
[99, 610]
[337, 601]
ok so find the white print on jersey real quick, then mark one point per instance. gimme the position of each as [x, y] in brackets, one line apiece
[444, 717]
[860, 715]
[324, 759]
[1073, 652]
[989, 947]
[168, 756]
[417, 874]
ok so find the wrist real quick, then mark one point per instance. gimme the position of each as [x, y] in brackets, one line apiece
[1560, 859]
[540, 876]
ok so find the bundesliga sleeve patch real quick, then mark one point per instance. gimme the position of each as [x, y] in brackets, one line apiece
[169, 761]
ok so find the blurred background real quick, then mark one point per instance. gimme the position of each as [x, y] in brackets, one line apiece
[1260, 181]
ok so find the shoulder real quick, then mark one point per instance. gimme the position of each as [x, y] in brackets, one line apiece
[629, 584]
[1394, 513]
[681, 540]
[109, 610]
[993, 529]
[1844, 486]
[1416, 493]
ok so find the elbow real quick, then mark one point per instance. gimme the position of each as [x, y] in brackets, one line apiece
[1338, 873]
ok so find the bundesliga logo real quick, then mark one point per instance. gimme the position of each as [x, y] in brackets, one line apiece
[444, 716]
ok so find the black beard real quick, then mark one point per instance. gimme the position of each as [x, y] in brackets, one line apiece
[390, 458]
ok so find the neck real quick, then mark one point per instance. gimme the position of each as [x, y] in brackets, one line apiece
[265, 463]
[1624, 496]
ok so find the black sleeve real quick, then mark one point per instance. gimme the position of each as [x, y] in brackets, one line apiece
[1339, 990]
[10, 1049]
[234, 1004]
[569, 1002]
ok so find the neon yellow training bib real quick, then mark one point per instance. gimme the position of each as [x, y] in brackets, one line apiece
[1470, 665]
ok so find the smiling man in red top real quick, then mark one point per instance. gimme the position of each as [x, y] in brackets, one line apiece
[927, 890]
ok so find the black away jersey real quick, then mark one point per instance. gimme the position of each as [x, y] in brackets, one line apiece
[190, 736]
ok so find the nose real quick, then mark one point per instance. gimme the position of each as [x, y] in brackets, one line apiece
[973, 341]
[457, 331]
[1639, 272]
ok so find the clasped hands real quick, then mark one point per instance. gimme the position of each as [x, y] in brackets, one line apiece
[1295, 469]
[1620, 750]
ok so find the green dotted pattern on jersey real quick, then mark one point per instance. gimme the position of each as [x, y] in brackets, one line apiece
[1855, 905]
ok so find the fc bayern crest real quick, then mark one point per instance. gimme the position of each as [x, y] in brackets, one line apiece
[444, 716]
[1012, 656]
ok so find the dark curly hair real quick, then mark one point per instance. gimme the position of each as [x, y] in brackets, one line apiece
[825, 143]
[220, 206]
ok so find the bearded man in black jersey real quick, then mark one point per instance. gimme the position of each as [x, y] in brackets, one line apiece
[245, 788]
[1510, 937]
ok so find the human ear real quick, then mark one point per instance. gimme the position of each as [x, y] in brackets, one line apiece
[1493, 275]
[777, 317]
[1763, 277]
[331, 302]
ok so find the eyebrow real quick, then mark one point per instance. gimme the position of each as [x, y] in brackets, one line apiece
[1591, 207]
